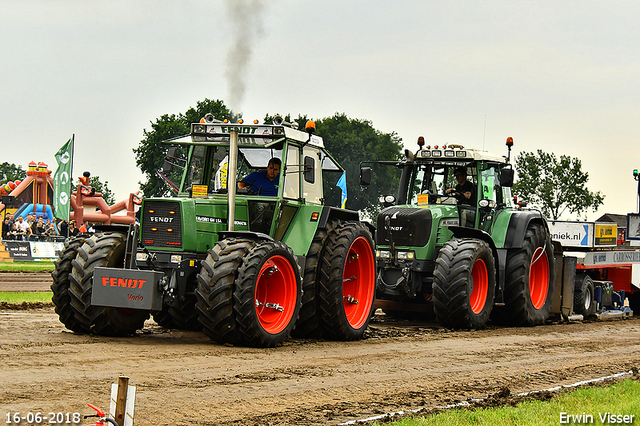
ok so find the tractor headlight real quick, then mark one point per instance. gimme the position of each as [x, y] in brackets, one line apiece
[383, 254]
[142, 257]
[176, 258]
[387, 199]
[406, 255]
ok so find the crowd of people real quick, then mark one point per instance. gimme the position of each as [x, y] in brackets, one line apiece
[34, 227]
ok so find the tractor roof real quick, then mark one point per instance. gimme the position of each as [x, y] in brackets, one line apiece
[248, 135]
[455, 154]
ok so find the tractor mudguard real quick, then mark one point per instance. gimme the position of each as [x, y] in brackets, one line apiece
[258, 236]
[518, 224]
[330, 212]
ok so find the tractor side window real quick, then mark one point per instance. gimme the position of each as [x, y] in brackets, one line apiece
[196, 167]
[427, 185]
[218, 182]
[291, 174]
[312, 173]
[489, 184]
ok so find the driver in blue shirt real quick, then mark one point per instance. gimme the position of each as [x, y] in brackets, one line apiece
[264, 182]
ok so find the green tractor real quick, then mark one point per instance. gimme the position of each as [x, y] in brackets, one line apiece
[463, 252]
[247, 267]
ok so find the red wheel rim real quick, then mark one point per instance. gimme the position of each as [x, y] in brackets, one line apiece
[358, 282]
[276, 294]
[539, 278]
[479, 286]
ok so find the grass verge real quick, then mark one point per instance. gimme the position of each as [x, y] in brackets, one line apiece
[15, 297]
[590, 405]
[26, 266]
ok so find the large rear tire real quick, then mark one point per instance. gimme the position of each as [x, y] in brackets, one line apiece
[105, 250]
[216, 282]
[347, 281]
[267, 294]
[464, 282]
[530, 280]
[60, 286]
[584, 302]
[308, 325]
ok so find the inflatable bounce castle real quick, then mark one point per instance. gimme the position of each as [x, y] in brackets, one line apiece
[35, 194]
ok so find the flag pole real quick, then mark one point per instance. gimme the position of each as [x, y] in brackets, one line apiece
[73, 147]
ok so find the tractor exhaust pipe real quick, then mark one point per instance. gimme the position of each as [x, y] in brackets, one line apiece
[231, 178]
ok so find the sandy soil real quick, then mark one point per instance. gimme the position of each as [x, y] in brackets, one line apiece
[183, 378]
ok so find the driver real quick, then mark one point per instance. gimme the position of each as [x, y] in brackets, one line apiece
[266, 181]
[465, 191]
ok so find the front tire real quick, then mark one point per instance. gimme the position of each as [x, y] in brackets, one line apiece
[464, 283]
[216, 283]
[105, 250]
[347, 282]
[61, 283]
[530, 280]
[267, 294]
[249, 292]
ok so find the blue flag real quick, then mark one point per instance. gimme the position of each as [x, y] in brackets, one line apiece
[342, 184]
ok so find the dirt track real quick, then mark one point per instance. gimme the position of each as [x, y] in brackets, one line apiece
[183, 378]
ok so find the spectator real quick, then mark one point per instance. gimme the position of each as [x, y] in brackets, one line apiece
[11, 221]
[6, 228]
[51, 230]
[83, 227]
[63, 228]
[39, 228]
[73, 231]
[23, 229]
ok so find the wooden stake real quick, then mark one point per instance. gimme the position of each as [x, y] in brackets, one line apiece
[121, 401]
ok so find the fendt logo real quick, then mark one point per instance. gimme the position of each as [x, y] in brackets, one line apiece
[240, 130]
[122, 282]
[160, 219]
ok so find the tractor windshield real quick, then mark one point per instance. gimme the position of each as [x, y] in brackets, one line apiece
[429, 184]
[208, 165]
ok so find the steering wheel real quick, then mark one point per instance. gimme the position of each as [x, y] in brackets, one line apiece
[250, 190]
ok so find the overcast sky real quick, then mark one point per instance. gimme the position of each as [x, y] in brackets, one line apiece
[562, 76]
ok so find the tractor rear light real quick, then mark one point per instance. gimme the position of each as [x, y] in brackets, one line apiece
[383, 254]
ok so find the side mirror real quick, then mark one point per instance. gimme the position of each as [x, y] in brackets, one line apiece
[309, 169]
[506, 178]
[365, 176]
[168, 160]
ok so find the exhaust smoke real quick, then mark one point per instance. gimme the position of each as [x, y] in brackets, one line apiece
[245, 21]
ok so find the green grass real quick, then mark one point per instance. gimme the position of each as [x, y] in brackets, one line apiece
[621, 398]
[26, 266]
[25, 296]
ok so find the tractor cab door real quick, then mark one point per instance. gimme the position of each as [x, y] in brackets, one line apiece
[489, 197]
